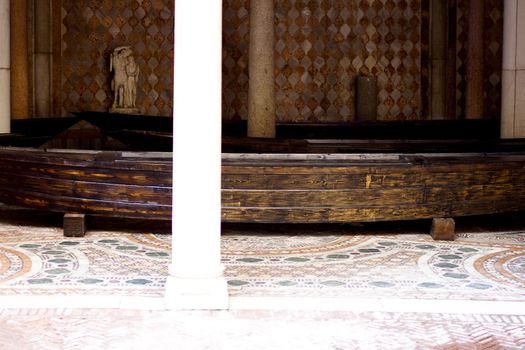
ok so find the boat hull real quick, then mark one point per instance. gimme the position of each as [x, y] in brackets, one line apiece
[271, 188]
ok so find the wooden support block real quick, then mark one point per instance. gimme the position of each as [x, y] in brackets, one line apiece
[443, 229]
[74, 225]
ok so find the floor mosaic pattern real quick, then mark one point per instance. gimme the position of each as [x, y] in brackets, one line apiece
[407, 266]
[38, 260]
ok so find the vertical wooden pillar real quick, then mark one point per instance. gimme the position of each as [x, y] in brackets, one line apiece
[19, 60]
[196, 275]
[42, 58]
[438, 53]
[474, 93]
[261, 90]
[56, 58]
[5, 68]
[513, 75]
[450, 100]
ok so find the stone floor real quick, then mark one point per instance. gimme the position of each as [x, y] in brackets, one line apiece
[261, 329]
[369, 286]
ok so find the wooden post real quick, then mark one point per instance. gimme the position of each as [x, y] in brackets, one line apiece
[74, 225]
[261, 89]
[443, 229]
[450, 100]
[5, 68]
[438, 54]
[42, 58]
[474, 93]
[19, 61]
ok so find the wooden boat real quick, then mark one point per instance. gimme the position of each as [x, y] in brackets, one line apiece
[294, 180]
[271, 188]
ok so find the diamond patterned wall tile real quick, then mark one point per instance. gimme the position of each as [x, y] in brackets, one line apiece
[493, 57]
[91, 29]
[321, 45]
[461, 57]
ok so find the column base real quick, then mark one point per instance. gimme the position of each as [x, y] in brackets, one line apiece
[196, 293]
[124, 110]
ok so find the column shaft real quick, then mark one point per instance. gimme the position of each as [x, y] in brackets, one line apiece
[474, 89]
[196, 280]
[5, 68]
[42, 58]
[19, 60]
[513, 74]
[261, 90]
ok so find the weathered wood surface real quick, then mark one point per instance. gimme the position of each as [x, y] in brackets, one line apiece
[271, 188]
[102, 183]
[323, 146]
[443, 229]
[74, 225]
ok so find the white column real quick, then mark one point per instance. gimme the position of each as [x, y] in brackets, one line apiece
[5, 68]
[513, 75]
[196, 278]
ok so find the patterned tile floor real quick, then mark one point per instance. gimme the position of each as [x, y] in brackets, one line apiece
[323, 262]
[377, 287]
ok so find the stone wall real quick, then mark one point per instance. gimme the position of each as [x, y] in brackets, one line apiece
[321, 45]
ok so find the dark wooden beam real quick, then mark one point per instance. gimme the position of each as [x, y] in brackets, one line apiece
[451, 61]
[475, 64]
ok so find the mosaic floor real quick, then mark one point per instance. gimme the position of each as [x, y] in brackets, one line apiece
[466, 294]
[38, 260]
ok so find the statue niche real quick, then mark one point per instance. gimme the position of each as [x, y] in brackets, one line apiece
[124, 82]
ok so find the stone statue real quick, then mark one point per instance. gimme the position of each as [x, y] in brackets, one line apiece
[124, 83]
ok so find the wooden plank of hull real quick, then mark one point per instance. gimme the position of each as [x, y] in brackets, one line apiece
[321, 198]
[91, 190]
[401, 196]
[365, 179]
[365, 214]
[38, 200]
[94, 173]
